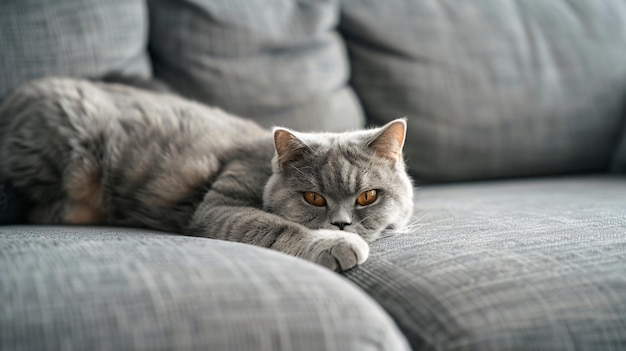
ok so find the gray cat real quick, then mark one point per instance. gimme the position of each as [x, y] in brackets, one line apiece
[90, 153]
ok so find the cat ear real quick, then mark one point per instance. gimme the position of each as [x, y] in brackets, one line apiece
[288, 147]
[388, 142]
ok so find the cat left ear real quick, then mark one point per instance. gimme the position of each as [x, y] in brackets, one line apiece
[288, 147]
[388, 142]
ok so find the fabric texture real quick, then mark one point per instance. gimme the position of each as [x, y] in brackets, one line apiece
[80, 288]
[516, 265]
[277, 62]
[492, 88]
[86, 38]
[618, 164]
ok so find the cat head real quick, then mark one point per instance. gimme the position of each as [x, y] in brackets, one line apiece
[353, 181]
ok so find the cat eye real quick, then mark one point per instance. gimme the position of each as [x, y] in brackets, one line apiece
[367, 197]
[314, 199]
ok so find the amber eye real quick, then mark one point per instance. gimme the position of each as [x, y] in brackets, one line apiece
[314, 199]
[367, 198]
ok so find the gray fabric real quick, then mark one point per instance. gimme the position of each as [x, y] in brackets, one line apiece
[519, 265]
[78, 288]
[71, 37]
[618, 164]
[277, 62]
[493, 88]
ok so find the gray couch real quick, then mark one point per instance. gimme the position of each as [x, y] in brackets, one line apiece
[517, 142]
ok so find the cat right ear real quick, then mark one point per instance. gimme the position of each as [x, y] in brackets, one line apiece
[388, 142]
[288, 147]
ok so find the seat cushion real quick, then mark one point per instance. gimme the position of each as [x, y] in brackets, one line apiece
[277, 62]
[516, 265]
[80, 288]
[84, 38]
[493, 88]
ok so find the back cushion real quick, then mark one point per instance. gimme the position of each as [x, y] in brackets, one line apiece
[71, 38]
[279, 62]
[618, 164]
[493, 88]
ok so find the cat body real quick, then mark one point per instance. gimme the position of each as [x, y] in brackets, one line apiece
[94, 153]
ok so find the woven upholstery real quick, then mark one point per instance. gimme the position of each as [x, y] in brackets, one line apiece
[277, 62]
[618, 163]
[519, 265]
[493, 88]
[79, 288]
[72, 38]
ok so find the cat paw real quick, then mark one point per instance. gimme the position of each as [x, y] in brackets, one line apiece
[338, 251]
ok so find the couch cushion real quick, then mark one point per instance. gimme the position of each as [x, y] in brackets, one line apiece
[80, 288]
[71, 38]
[618, 164]
[519, 265]
[278, 62]
[493, 88]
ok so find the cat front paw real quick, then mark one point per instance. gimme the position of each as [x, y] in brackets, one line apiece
[338, 250]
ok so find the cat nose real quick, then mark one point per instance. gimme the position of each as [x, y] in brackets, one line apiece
[341, 225]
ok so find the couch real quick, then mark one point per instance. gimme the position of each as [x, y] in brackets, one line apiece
[516, 142]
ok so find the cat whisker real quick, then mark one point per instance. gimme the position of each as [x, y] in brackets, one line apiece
[307, 176]
[414, 225]
[361, 221]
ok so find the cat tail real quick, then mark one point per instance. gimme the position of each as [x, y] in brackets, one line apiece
[13, 204]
